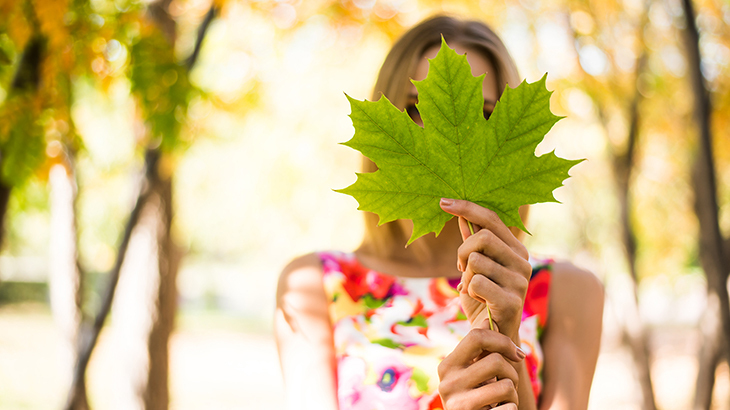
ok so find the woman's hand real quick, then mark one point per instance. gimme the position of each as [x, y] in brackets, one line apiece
[495, 268]
[480, 373]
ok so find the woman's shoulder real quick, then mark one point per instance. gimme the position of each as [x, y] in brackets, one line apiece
[306, 271]
[310, 262]
[300, 275]
[571, 279]
[576, 294]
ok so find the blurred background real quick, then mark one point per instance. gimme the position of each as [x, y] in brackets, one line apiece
[161, 161]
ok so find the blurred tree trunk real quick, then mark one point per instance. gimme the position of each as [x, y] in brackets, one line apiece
[64, 275]
[144, 304]
[4, 199]
[148, 261]
[634, 330]
[162, 305]
[156, 394]
[712, 245]
[622, 160]
[710, 354]
[89, 331]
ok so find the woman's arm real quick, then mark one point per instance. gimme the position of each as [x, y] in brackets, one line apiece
[304, 337]
[572, 338]
[496, 271]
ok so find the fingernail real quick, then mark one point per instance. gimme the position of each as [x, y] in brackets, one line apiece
[459, 286]
[459, 267]
[447, 201]
[520, 353]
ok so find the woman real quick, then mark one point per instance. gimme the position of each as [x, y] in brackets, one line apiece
[407, 328]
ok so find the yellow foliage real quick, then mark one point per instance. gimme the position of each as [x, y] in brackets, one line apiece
[50, 16]
[17, 26]
[49, 70]
[22, 104]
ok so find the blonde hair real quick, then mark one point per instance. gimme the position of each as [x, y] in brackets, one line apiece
[394, 82]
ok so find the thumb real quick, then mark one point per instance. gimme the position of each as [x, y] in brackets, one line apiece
[466, 230]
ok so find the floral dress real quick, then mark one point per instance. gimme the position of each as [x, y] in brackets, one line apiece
[390, 333]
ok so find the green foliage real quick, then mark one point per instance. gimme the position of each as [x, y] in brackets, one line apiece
[457, 153]
[22, 144]
[41, 54]
[161, 86]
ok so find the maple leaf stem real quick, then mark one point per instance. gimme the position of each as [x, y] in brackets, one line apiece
[489, 312]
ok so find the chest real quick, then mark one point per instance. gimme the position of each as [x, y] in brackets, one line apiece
[390, 333]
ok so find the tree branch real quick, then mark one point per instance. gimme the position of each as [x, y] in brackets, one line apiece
[712, 252]
[89, 334]
[202, 31]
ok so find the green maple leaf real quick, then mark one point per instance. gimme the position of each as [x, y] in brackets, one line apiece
[457, 153]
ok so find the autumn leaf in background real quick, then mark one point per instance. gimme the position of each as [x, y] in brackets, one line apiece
[457, 153]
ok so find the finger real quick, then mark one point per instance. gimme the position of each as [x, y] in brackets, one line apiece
[492, 366]
[485, 324]
[485, 218]
[473, 344]
[501, 391]
[486, 291]
[486, 243]
[478, 264]
[464, 228]
[506, 406]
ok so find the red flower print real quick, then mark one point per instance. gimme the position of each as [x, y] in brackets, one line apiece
[361, 281]
[536, 300]
[436, 403]
[379, 284]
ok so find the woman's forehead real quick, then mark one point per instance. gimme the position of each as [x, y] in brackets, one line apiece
[478, 62]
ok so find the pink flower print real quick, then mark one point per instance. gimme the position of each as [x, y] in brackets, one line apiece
[390, 389]
[350, 375]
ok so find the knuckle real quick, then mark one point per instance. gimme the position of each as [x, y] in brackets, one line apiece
[447, 401]
[463, 252]
[478, 335]
[493, 217]
[477, 280]
[509, 385]
[453, 403]
[514, 304]
[442, 369]
[526, 268]
[522, 250]
[446, 386]
[486, 236]
[481, 337]
[474, 288]
[504, 388]
[498, 362]
[473, 258]
[522, 285]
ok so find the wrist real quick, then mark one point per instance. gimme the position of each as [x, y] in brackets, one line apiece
[515, 336]
[524, 387]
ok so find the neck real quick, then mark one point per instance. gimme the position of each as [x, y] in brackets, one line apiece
[428, 256]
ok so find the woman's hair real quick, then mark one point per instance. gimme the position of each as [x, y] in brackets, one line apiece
[394, 82]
